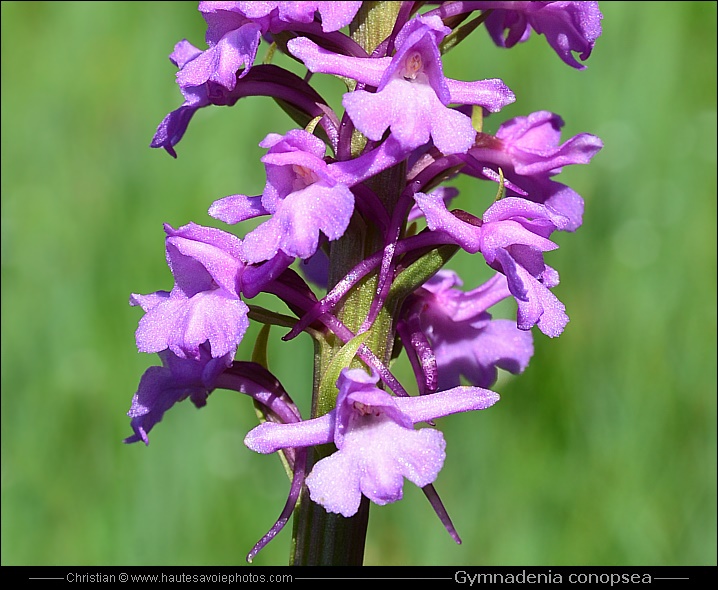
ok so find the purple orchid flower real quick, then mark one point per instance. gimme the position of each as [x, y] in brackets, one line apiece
[301, 196]
[512, 236]
[162, 387]
[207, 77]
[204, 304]
[305, 196]
[464, 338]
[529, 153]
[412, 95]
[568, 26]
[234, 31]
[376, 441]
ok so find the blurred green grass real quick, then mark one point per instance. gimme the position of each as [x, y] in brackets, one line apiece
[603, 452]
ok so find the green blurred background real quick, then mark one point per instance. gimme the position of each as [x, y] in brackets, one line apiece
[602, 452]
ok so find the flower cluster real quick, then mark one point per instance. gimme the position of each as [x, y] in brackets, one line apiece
[375, 168]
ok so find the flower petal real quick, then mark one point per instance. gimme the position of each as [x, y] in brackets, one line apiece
[272, 436]
[459, 399]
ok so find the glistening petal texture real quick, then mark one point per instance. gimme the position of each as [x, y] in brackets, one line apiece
[217, 252]
[236, 208]
[394, 453]
[263, 242]
[459, 399]
[334, 15]
[438, 218]
[377, 446]
[183, 324]
[271, 436]
[559, 197]
[413, 113]
[471, 304]
[334, 483]
[282, 15]
[183, 53]
[204, 304]
[518, 208]
[374, 462]
[504, 346]
[295, 225]
[156, 327]
[492, 94]
[533, 142]
[213, 316]
[149, 301]
[504, 234]
[445, 193]
[254, 9]
[220, 63]
[476, 352]
[318, 60]
[455, 358]
[537, 305]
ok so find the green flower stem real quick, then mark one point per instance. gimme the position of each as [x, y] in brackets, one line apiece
[319, 537]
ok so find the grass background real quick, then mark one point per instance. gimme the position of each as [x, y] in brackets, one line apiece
[603, 452]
